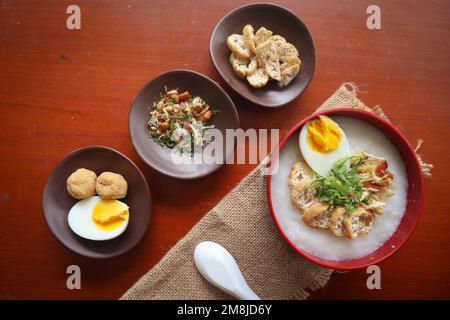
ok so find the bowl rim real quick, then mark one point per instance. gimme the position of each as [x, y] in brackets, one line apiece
[251, 99]
[132, 136]
[331, 264]
[73, 153]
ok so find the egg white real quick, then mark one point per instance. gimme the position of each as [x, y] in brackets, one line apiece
[321, 163]
[81, 222]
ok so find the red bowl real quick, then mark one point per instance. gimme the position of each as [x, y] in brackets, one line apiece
[414, 199]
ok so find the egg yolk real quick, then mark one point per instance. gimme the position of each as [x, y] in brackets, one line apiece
[109, 214]
[323, 134]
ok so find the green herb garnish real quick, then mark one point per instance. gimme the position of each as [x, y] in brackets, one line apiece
[342, 185]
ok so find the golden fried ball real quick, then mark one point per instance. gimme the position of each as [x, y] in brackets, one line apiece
[81, 184]
[111, 185]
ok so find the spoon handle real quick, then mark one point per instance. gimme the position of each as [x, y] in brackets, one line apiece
[219, 267]
[246, 293]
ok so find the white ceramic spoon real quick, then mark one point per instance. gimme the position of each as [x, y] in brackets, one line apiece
[218, 266]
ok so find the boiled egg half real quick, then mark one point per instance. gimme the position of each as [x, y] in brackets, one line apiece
[98, 219]
[322, 143]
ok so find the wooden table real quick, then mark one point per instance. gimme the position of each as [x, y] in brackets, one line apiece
[63, 89]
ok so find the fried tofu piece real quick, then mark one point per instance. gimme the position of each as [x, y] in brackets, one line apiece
[236, 44]
[299, 171]
[286, 50]
[317, 215]
[288, 74]
[262, 35]
[249, 38]
[265, 51]
[258, 79]
[337, 221]
[358, 223]
[243, 67]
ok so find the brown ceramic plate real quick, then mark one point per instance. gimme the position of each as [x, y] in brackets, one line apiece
[281, 21]
[56, 201]
[161, 158]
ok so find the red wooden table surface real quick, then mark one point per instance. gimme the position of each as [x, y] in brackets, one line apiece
[62, 89]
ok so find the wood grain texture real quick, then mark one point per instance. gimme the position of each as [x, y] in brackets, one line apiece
[61, 89]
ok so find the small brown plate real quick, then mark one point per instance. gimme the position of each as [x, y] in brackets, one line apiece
[56, 201]
[281, 21]
[161, 158]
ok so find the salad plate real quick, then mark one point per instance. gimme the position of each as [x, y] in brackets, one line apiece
[153, 128]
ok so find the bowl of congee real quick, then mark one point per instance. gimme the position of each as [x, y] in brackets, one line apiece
[345, 189]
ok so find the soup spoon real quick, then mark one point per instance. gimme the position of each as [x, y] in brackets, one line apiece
[219, 267]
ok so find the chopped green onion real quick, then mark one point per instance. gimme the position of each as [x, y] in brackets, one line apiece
[341, 186]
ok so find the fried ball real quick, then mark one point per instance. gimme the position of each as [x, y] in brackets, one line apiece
[81, 184]
[111, 185]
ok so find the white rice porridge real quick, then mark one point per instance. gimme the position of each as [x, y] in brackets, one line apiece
[322, 243]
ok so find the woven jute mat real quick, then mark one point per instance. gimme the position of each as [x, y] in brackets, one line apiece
[241, 222]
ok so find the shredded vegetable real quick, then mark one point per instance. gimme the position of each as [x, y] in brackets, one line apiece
[180, 119]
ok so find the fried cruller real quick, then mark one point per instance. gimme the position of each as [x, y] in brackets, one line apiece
[351, 215]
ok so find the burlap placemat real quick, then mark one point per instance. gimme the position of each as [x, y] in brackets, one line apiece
[241, 222]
